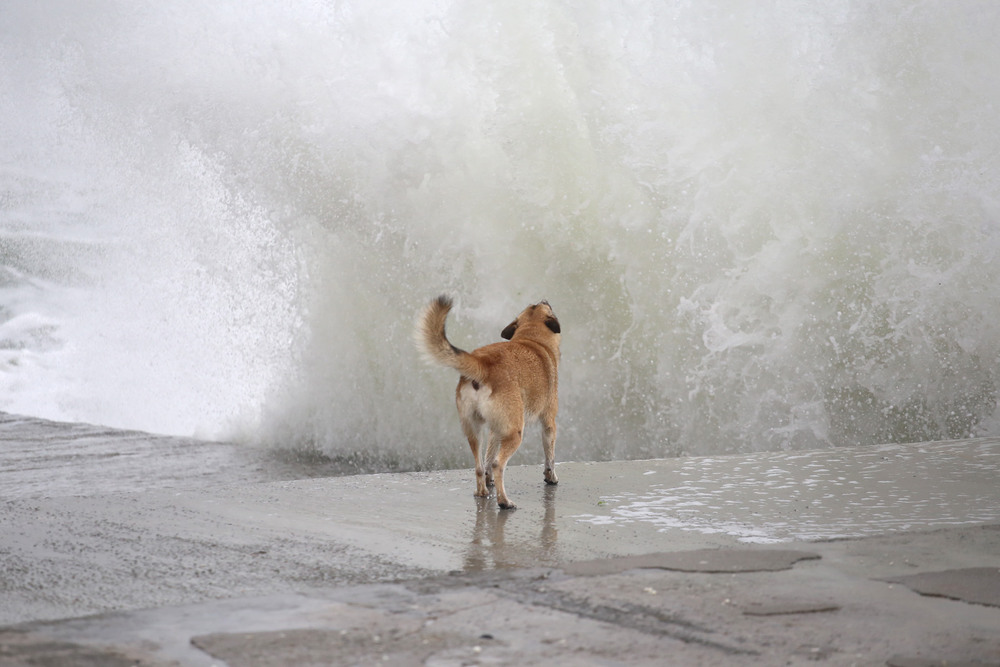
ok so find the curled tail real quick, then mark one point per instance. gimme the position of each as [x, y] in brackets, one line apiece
[433, 344]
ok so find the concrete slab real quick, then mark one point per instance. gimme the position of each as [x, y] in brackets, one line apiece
[787, 607]
[18, 647]
[699, 560]
[978, 585]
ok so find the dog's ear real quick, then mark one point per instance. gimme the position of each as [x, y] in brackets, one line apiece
[553, 324]
[508, 331]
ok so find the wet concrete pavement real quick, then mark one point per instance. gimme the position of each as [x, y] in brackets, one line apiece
[886, 555]
[829, 603]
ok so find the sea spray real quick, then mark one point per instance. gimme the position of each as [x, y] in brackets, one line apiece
[762, 227]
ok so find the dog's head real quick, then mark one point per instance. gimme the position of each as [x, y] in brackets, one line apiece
[530, 318]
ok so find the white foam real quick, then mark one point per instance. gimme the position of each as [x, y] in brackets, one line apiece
[763, 229]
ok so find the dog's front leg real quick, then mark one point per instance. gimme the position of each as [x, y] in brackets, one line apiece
[549, 445]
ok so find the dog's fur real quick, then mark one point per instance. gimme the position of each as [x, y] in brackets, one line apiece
[500, 385]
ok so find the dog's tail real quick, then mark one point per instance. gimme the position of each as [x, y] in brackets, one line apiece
[433, 344]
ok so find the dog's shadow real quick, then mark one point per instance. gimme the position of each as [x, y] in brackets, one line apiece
[497, 545]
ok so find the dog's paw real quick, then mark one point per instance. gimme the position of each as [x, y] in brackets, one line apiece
[550, 477]
[506, 505]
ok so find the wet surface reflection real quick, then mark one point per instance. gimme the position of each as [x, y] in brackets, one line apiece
[524, 537]
[818, 495]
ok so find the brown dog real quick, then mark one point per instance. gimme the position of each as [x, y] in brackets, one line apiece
[501, 384]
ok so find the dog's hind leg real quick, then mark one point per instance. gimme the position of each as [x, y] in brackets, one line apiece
[508, 445]
[472, 431]
[492, 451]
[467, 402]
